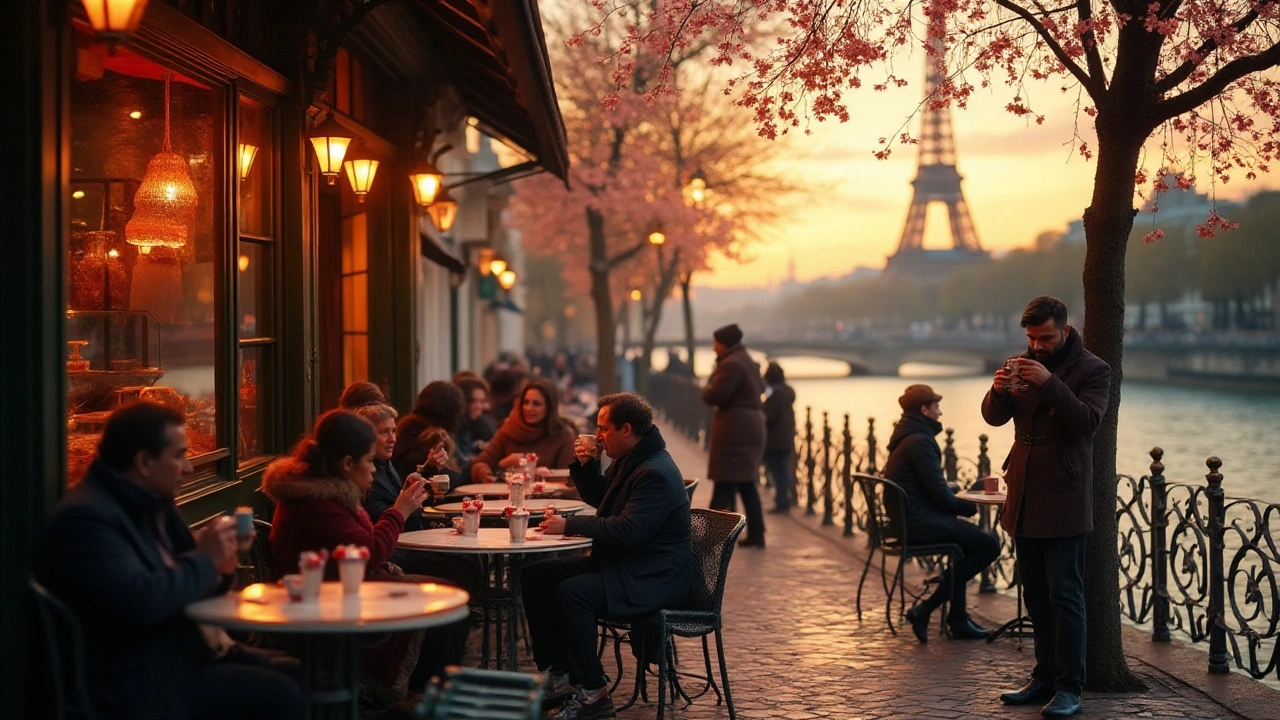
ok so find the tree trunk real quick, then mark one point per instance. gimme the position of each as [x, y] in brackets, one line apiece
[601, 297]
[651, 318]
[689, 345]
[1107, 223]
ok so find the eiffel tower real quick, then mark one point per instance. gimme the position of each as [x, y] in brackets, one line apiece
[936, 181]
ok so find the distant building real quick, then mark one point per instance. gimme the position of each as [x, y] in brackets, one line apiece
[1172, 208]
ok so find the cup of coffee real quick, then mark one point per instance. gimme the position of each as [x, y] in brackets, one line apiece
[589, 444]
[440, 484]
[991, 485]
[244, 528]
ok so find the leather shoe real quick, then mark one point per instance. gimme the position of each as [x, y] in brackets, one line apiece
[749, 541]
[967, 629]
[919, 620]
[1036, 691]
[1063, 705]
[780, 510]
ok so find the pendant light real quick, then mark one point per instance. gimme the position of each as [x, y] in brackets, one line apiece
[245, 155]
[165, 205]
[114, 20]
[426, 179]
[361, 167]
[330, 141]
[443, 211]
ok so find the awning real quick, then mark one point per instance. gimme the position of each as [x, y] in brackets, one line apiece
[432, 251]
[495, 56]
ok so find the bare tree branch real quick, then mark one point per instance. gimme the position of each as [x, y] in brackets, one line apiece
[1205, 91]
[1094, 88]
[1084, 9]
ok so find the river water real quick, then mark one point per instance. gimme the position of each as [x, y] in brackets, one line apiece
[1190, 424]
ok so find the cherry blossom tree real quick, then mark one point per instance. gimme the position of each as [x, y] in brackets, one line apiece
[1167, 85]
[631, 162]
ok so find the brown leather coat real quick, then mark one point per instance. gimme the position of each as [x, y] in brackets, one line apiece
[737, 427]
[1049, 470]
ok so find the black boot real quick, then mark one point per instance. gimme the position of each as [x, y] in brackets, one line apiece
[1034, 692]
[967, 629]
[1063, 705]
[919, 619]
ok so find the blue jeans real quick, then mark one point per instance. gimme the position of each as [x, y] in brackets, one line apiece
[782, 472]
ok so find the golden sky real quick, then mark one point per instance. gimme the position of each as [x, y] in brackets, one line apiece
[1020, 179]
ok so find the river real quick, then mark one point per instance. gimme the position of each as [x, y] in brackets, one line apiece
[1190, 424]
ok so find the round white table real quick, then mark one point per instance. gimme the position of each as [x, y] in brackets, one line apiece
[1020, 626]
[500, 564]
[500, 489]
[533, 505]
[981, 498]
[329, 627]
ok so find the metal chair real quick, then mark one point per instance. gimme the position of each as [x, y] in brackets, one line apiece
[260, 553]
[489, 694]
[887, 533]
[714, 535]
[690, 485]
[64, 642]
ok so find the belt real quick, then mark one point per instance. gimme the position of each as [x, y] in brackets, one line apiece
[1033, 440]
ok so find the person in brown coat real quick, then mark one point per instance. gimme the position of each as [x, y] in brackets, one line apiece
[534, 426]
[737, 430]
[1056, 394]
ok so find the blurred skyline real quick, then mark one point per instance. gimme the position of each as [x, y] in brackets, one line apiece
[1020, 179]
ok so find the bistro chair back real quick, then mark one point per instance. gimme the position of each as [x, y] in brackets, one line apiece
[64, 643]
[260, 553]
[887, 534]
[489, 694]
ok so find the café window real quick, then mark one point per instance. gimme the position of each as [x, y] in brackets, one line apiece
[144, 241]
[355, 298]
[256, 270]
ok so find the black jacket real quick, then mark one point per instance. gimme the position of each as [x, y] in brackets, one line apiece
[382, 494]
[640, 533]
[915, 463]
[780, 419]
[101, 556]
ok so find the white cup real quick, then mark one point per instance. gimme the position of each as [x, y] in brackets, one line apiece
[518, 525]
[470, 523]
[351, 572]
[312, 579]
[440, 484]
[517, 492]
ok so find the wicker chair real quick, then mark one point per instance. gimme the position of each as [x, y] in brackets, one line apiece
[64, 642]
[714, 535]
[887, 531]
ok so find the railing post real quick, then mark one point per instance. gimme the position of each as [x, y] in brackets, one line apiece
[846, 478]
[1159, 550]
[872, 469]
[950, 464]
[828, 500]
[985, 584]
[1217, 585]
[810, 462]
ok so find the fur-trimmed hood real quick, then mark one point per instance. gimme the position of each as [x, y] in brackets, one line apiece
[286, 481]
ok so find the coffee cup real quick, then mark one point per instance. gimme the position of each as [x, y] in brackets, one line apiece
[991, 485]
[351, 573]
[244, 528]
[440, 484]
[589, 444]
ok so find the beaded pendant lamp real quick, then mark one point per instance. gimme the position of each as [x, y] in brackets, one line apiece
[165, 204]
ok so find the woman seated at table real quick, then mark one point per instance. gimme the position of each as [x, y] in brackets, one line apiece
[534, 426]
[318, 489]
[427, 430]
[477, 427]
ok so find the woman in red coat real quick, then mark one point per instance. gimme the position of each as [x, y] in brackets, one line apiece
[318, 490]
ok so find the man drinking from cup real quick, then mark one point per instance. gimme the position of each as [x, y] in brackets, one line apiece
[640, 559]
[1049, 510]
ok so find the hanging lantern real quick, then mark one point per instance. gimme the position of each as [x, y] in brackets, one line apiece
[426, 179]
[698, 187]
[330, 141]
[361, 168]
[507, 279]
[245, 155]
[165, 203]
[497, 266]
[657, 235]
[443, 211]
[114, 20]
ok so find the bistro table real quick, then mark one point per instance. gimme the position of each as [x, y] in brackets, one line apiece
[329, 628]
[501, 490]
[535, 505]
[1020, 626]
[500, 563]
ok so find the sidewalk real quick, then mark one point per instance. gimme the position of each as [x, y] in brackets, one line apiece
[796, 650]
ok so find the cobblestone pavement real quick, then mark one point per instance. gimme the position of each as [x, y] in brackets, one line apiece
[797, 651]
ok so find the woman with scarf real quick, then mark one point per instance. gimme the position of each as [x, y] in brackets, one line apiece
[534, 426]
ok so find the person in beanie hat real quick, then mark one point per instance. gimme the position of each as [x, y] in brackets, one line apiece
[780, 428]
[932, 510]
[737, 431]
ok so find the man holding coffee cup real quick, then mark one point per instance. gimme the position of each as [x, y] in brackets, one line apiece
[915, 464]
[640, 556]
[1049, 510]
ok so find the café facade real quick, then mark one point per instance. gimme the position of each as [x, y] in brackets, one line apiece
[236, 208]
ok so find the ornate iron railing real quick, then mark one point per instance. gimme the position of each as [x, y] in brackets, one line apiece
[1192, 561]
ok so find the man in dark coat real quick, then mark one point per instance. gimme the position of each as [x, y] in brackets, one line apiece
[915, 464]
[1056, 395]
[737, 431]
[117, 552]
[641, 557]
[780, 437]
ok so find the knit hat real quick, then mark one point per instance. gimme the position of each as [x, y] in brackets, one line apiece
[916, 397]
[729, 335]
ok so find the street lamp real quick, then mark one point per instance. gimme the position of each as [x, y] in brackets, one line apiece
[361, 168]
[498, 267]
[698, 187]
[114, 20]
[426, 179]
[330, 141]
[443, 211]
[656, 235]
[507, 279]
[635, 293]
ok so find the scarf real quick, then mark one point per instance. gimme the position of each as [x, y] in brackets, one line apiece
[522, 432]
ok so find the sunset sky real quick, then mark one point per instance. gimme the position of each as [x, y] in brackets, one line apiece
[1020, 179]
